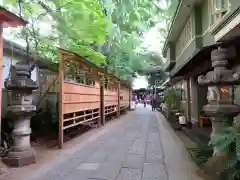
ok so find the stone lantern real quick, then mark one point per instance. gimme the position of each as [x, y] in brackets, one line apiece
[220, 107]
[7, 20]
[21, 109]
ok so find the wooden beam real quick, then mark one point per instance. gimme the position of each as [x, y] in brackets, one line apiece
[1, 79]
[130, 97]
[118, 94]
[102, 106]
[188, 101]
[61, 94]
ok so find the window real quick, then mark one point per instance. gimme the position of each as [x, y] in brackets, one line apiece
[68, 75]
[78, 75]
[185, 37]
[218, 9]
[106, 84]
[157, 82]
[183, 93]
[109, 85]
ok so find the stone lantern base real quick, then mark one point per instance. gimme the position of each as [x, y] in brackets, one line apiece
[20, 158]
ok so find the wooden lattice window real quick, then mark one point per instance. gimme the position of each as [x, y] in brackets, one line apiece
[80, 76]
[185, 37]
[218, 9]
[106, 84]
[109, 85]
[90, 82]
[69, 75]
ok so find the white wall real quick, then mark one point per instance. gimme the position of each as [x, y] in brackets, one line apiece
[6, 66]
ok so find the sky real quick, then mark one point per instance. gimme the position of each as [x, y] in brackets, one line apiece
[153, 39]
[140, 82]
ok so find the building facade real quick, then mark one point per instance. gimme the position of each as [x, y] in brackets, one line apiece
[197, 28]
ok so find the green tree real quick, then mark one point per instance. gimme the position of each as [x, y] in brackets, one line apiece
[81, 24]
[103, 31]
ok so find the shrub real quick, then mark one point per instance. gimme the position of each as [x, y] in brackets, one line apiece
[172, 98]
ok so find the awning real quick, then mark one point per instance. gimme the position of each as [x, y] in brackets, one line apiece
[198, 58]
[200, 61]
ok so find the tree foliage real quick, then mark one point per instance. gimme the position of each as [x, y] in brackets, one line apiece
[172, 99]
[72, 24]
[228, 139]
[107, 32]
[130, 20]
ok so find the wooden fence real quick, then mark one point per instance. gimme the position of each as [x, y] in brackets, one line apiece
[124, 96]
[111, 95]
[84, 97]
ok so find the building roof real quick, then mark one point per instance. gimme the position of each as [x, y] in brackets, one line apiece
[173, 20]
[8, 19]
[177, 21]
[89, 63]
[197, 59]
[200, 60]
[153, 70]
[165, 82]
[15, 49]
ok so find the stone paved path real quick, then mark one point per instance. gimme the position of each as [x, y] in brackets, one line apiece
[131, 150]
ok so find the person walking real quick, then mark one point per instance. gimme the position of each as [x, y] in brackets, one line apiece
[153, 102]
[134, 101]
[145, 102]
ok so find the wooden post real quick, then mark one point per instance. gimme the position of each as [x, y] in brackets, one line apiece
[188, 101]
[61, 93]
[97, 77]
[1, 64]
[102, 108]
[130, 97]
[7, 19]
[118, 94]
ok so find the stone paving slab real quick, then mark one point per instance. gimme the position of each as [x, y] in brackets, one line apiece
[98, 156]
[131, 151]
[107, 171]
[154, 171]
[134, 161]
[129, 174]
